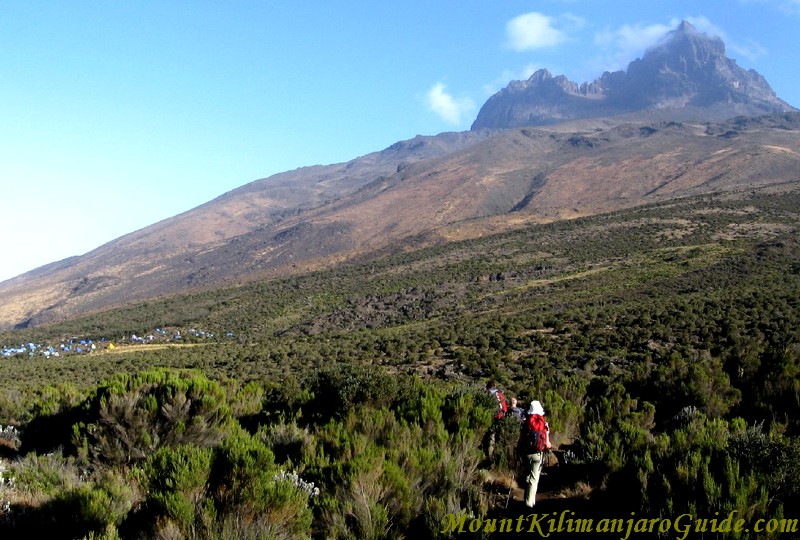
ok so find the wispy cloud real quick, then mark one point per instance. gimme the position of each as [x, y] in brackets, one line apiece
[787, 7]
[533, 31]
[790, 7]
[621, 45]
[450, 109]
[750, 50]
[704, 25]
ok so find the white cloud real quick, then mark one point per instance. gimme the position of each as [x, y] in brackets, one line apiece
[790, 7]
[787, 7]
[450, 109]
[751, 50]
[703, 25]
[533, 31]
[629, 41]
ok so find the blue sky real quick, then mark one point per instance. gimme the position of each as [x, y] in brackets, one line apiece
[117, 114]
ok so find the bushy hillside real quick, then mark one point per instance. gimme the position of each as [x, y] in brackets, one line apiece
[663, 341]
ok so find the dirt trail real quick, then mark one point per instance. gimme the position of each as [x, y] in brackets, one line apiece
[556, 499]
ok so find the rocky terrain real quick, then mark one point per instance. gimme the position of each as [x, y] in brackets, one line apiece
[686, 77]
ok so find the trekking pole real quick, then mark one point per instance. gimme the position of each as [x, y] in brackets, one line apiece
[511, 487]
[513, 481]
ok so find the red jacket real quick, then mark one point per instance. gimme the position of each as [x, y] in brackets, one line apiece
[536, 422]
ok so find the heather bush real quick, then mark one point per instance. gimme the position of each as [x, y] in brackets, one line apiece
[616, 427]
[339, 389]
[250, 493]
[468, 409]
[43, 476]
[131, 416]
[176, 483]
[692, 469]
[287, 399]
[52, 410]
[93, 507]
[359, 504]
[247, 400]
[231, 491]
[289, 442]
[52, 399]
[53, 497]
[387, 477]
[13, 406]
[506, 432]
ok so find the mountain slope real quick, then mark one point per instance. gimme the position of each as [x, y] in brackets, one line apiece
[499, 182]
[430, 190]
[163, 257]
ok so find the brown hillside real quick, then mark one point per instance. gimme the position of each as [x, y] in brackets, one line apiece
[417, 192]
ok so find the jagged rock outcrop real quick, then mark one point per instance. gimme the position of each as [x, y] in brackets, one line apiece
[687, 74]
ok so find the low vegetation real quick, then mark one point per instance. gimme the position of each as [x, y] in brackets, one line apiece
[348, 403]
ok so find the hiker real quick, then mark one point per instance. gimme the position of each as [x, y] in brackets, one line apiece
[500, 412]
[534, 441]
[502, 405]
[516, 411]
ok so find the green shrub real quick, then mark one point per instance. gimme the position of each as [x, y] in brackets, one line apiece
[45, 475]
[94, 506]
[232, 491]
[176, 480]
[63, 501]
[290, 443]
[52, 411]
[384, 473]
[248, 490]
[359, 506]
[342, 388]
[506, 438]
[131, 416]
[468, 409]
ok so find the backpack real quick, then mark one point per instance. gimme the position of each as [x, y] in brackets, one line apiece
[534, 435]
[502, 406]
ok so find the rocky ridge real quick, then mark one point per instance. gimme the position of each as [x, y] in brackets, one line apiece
[685, 77]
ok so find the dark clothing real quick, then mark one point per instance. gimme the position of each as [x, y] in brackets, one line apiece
[518, 413]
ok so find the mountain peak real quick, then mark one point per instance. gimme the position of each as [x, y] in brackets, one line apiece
[687, 74]
[540, 75]
[687, 33]
[687, 42]
[687, 30]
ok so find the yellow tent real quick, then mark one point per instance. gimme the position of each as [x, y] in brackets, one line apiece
[110, 346]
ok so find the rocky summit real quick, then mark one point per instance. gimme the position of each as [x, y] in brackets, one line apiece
[685, 77]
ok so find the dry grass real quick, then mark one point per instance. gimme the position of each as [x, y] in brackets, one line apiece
[581, 490]
[122, 349]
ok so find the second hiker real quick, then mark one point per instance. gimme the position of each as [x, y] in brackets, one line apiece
[534, 441]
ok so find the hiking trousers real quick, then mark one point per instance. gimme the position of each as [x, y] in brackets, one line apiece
[535, 463]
